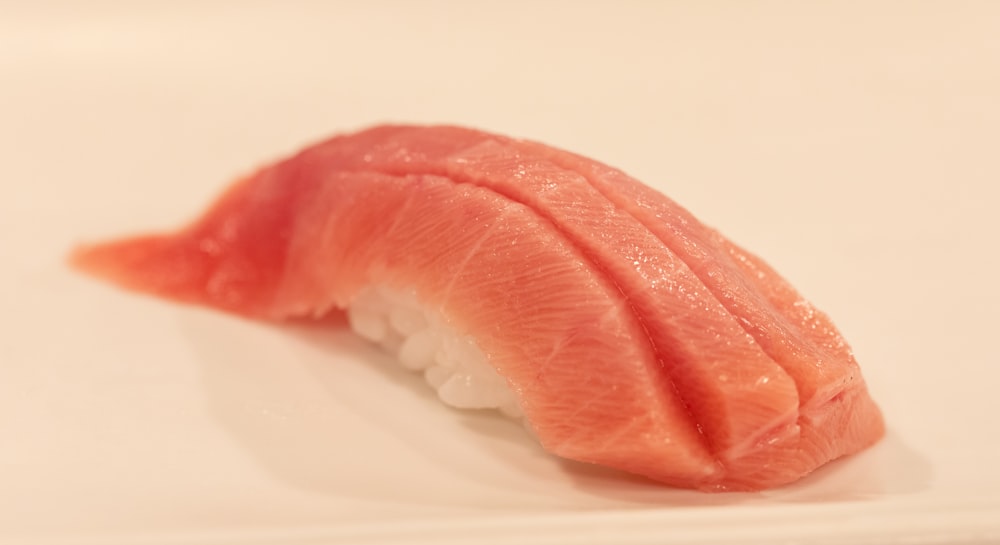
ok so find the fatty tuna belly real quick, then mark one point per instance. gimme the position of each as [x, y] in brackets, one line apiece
[632, 335]
[558, 331]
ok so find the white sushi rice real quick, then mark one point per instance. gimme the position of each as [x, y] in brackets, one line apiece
[421, 340]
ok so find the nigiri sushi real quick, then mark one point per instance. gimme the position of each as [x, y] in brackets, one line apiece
[519, 277]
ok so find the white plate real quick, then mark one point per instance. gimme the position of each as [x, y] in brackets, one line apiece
[855, 149]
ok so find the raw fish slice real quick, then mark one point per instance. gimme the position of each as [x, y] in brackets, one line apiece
[616, 334]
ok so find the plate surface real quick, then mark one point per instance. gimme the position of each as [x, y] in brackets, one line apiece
[853, 147]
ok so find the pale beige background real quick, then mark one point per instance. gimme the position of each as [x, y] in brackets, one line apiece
[853, 145]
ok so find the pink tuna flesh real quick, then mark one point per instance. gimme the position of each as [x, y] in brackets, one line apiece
[632, 335]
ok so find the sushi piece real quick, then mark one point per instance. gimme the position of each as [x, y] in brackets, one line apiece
[524, 278]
